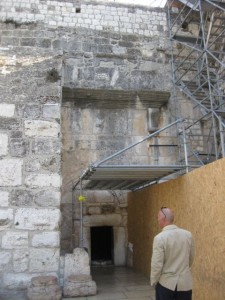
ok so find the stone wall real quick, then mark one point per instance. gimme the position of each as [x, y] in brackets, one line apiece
[30, 161]
[102, 46]
[92, 15]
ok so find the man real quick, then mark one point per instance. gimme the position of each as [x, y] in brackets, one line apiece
[172, 257]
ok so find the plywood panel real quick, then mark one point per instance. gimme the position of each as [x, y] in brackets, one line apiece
[198, 200]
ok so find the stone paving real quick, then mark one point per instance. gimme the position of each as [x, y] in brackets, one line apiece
[119, 283]
[112, 283]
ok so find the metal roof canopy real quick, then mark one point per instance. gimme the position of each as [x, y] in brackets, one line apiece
[125, 177]
[132, 177]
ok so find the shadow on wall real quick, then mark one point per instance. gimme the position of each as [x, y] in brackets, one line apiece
[198, 202]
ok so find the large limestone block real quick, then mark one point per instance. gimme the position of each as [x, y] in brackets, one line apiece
[13, 240]
[44, 288]
[37, 218]
[44, 260]
[51, 111]
[3, 144]
[47, 198]
[46, 239]
[4, 198]
[43, 180]
[20, 260]
[7, 110]
[79, 285]
[77, 263]
[11, 172]
[5, 260]
[6, 218]
[41, 128]
[16, 281]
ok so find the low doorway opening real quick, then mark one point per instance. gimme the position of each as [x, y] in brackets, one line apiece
[102, 245]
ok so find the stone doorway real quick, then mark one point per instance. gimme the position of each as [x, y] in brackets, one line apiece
[102, 245]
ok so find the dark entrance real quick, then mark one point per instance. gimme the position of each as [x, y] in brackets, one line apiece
[101, 245]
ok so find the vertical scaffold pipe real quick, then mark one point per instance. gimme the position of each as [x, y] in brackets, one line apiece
[81, 216]
[185, 148]
[222, 136]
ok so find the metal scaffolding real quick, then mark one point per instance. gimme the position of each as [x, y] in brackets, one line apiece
[101, 176]
[197, 35]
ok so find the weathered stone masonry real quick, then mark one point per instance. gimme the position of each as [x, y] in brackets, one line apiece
[44, 46]
[29, 169]
[94, 15]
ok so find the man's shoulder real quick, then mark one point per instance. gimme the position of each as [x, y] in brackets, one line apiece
[185, 231]
[170, 229]
[159, 236]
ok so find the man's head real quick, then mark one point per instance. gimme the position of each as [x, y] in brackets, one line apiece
[165, 217]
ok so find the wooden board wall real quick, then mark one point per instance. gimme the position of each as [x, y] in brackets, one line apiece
[198, 200]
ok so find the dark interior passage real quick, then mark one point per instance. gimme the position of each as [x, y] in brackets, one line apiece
[102, 243]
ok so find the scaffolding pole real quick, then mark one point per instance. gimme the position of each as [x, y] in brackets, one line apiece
[198, 67]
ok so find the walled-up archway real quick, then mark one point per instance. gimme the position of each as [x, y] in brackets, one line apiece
[96, 124]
